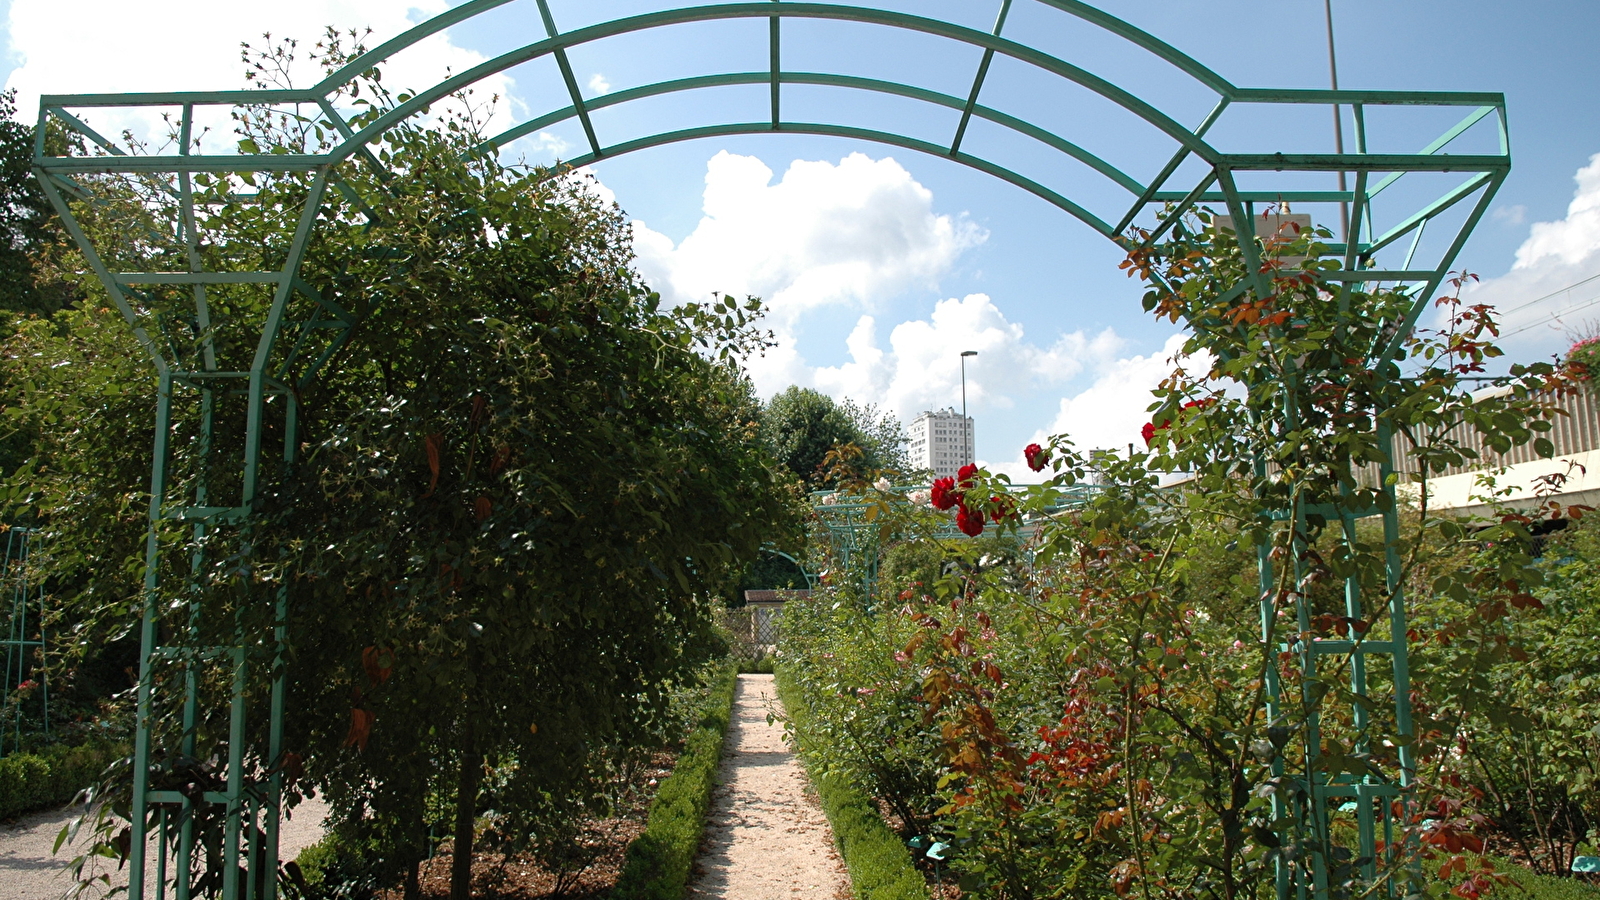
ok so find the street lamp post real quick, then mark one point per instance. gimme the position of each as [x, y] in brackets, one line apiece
[966, 427]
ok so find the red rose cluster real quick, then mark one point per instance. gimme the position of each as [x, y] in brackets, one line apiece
[1150, 428]
[1037, 457]
[952, 492]
[948, 492]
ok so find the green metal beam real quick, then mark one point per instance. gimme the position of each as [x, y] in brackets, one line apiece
[1439, 144]
[265, 162]
[863, 134]
[1348, 97]
[1368, 162]
[1449, 199]
[801, 10]
[818, 78]
[566, 75]
[977, 81]
[775, 66]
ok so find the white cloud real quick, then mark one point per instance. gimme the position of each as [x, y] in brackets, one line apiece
[598, 84]
[828, 238]
[846, 234]
[80, 46]
[1511, 215]
[1556, 255]
[1110, 412]
[921, 369]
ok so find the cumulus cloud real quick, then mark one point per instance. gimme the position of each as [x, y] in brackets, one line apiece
[921, 368]
[825, 234]
[1511, 215]
[1555, 257]
[171, 45]
[1110, 412]
[598, 84]
[826, 239]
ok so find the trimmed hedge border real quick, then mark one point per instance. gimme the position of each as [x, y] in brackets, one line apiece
[658, 861]
[51, 777]
[879, 864]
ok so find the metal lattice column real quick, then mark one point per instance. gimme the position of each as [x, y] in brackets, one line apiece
[24, 639]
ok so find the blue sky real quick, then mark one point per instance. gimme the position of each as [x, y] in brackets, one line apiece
[882, 263]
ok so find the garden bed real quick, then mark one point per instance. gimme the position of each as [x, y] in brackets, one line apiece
[603, 848]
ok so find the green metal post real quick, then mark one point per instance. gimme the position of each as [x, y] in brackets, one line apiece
[147, 635]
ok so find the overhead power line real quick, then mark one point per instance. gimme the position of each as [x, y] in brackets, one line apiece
[1554, 293]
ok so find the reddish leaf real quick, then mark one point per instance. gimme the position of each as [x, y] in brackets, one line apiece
[360, 729]
[434, 446]
[378, 663]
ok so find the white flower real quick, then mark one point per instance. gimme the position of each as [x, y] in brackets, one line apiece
[881, 484]
[920, 498]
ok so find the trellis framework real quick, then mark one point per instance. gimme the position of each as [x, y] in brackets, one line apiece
[304, 325]
[28, 707]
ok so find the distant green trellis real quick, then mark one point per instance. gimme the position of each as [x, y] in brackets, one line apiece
[27, 690]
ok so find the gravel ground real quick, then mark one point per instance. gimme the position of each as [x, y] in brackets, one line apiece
[28, 870]
[766, 838]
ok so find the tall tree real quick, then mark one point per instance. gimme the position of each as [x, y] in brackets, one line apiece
[516, 497]
[801, 425]
[29, 230]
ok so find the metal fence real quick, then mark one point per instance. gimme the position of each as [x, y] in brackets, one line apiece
[1576, 432]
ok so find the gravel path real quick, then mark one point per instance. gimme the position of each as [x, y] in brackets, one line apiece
[766, 838]
[28, 870]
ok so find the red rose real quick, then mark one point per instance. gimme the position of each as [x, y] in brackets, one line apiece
[944, 493]
[1037, 457]
[1149, 432]
[1004, 508]
[965, 474]
[970, 521]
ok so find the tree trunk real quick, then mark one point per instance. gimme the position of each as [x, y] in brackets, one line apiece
[413, 890]
[466, 808]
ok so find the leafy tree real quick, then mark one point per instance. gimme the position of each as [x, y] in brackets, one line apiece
[32, 246]
[516, 496]
[884, 433]
[801, 425]
[29, 231]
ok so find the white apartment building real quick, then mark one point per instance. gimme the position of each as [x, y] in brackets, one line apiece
[941, 440]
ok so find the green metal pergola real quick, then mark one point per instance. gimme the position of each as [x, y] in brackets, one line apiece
[305, 323]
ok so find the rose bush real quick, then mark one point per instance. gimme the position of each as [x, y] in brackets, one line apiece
[1113, 703]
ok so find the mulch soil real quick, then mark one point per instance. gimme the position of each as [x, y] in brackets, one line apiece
[604, 841]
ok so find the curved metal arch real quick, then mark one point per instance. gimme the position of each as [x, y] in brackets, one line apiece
[865, 134]
[857, 82]
[764, 10]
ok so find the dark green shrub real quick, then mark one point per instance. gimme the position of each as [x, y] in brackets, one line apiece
[337, 867]
[761, 666]
[866, 722]
[879, 864]
[658, 861]
[52, 776]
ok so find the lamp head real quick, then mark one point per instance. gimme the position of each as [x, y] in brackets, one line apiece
[969, 353]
